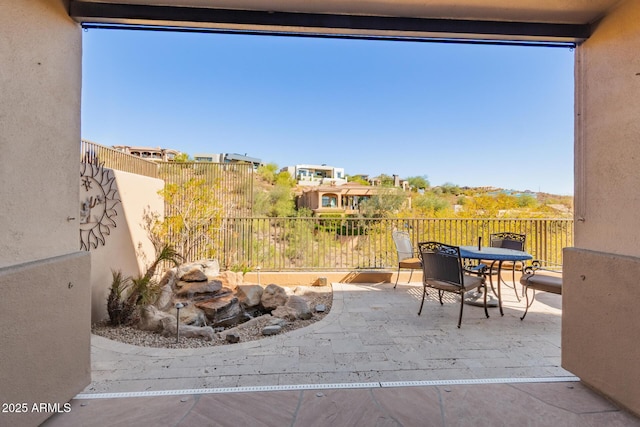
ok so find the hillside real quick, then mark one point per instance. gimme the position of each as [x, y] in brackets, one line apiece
[275, 193]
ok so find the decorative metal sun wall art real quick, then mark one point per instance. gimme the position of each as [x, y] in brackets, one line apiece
[98, 198]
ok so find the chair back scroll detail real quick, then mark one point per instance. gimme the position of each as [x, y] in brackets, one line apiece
[508, 240]
[441, 262]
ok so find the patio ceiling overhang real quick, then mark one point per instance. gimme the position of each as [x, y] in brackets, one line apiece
[562, 22]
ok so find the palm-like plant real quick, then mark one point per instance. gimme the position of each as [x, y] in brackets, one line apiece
[164, 253]
[141, 290]
[118, 308]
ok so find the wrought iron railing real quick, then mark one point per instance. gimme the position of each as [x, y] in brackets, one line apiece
[285, 244]
[111, 158]
[231, 184]
[198, 196]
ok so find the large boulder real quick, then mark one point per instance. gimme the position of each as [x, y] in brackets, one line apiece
[249, 295]
[284, 312]
[191, 273]
[190, 289]
[221, 311]
[273, 296]
[230, 279]
[248, 324]
[192, 315]
[301, 306]
[211, 267]
[169, 278]
[169, 329]
[151, 318]
[165, 299]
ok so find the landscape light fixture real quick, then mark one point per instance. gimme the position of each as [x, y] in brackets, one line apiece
[178, 307]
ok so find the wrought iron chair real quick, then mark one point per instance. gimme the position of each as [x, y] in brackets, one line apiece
[407, 257]
[506, 240]
[538, 278]
[442, 270]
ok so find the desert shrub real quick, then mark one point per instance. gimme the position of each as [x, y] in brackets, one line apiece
[128, 293]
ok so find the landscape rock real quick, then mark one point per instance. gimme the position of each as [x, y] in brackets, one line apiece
[211, 268]
[165, 299]
[192, 273]
[300, 305]
[192, 315]
[151, 318]
[249, 295]
[230, 279]
[248, 331]
[273, 296]
[284, 312]
[222, 311]
[233, 337]
[321, 281]
[169, 278]
[277, 321]
[320, 308]
[306, 290]
[271, 330]
[224, 302]
[246, 325]
[189, 289]
[169, 329]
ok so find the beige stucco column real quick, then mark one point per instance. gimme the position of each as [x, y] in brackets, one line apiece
[44, 280]
[601, 314]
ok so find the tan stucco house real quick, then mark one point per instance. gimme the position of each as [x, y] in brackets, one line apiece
[335, 199]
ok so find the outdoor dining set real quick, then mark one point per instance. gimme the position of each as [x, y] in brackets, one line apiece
[465, 270]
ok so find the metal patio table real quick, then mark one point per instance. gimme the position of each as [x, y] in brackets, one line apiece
[493, 254]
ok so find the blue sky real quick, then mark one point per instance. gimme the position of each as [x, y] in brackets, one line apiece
[465, 114]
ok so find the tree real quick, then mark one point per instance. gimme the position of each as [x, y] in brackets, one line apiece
[193, 219]
[430, 204]
[357, 179]
[276, 202]
[385, 180]
[182, 158]
[285, 179]
[384, 203]
[449, 188]
[418, 182]
[527, 201]
[282, 203]
[268, 172]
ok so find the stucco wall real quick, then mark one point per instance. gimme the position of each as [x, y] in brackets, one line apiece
[600, 323]
[127, 247]
[44, 322]
[45, 334]
[40, 75]
[600, 315]
[607, 135]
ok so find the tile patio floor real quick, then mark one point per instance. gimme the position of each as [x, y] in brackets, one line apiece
[371, 361]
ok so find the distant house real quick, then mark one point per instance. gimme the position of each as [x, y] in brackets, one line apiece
[207, 158]
[314, 175]
[513, 193]
[377, 181]
[228, 158]
[337, 199]
[150, 153]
